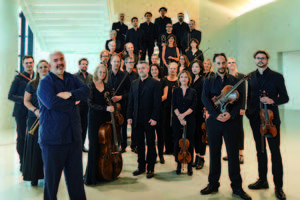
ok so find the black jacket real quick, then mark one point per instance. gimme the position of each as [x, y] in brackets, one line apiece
[149, 101]
[121, 31]
[179, 30]
[273, 84]
[160, 25]
[188, 36]
[149, 32]
[136, 37]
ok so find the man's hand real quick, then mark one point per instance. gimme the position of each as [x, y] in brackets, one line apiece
[64, 95]
[77, 102]
[116, 98]
[152, 122]
[129, 121]
[242, 112]
[266, 100]
[223, 117]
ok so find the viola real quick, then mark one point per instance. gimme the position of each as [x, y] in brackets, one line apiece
[184, 156]
[110, 162]
[267, 128]
[228, 95]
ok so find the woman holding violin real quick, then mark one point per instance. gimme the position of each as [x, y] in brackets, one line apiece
[184, 102]
[32, 160]
[99, 113]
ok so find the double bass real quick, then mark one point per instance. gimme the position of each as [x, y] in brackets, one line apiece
[110, 160]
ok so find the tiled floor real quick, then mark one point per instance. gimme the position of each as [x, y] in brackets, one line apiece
[166, 184]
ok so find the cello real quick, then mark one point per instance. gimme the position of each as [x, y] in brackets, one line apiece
[184, 156]
[110, 160]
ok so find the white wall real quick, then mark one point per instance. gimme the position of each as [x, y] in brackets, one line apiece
[291, 71]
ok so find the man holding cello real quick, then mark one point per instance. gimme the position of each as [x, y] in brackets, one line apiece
[265, 80]
[222, 124]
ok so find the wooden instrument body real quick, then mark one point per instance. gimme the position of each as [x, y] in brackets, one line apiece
[184, 156]
[267, 128]
[203, 128]
[226, 97]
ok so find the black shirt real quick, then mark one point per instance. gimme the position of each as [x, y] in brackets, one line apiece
[160, 25]
[136, 37]
[189, 35]
[179, 30]
[114, 81]
[149, 31]
[141, 87]
[121, 31]
[183, 103]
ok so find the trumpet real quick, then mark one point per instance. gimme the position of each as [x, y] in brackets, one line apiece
[34, 126]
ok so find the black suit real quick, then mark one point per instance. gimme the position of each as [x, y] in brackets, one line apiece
[273, 83]
[136, 37]
[113, 83]
[144, 104]
[121, 32]
[149, 37]
[160, 25]
[16, 94]
[179, 30]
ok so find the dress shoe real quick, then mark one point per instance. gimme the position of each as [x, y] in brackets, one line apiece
[279, 194]
[34, 183]
[134, 150]
[138, 172]
[259, 184]
[161, 160]
[209, 190]
[200, 163]
[84, 150]
[190, 170]
[178, 170]
[150, 174]
[225, 158]
[241, 194]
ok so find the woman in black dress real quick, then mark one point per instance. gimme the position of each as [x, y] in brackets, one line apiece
[32, 162]
[184, 102]
[184, 63]
[98, 115]
[156, 72]
[172, 82]
[208, 68]
[197, 84]
[170, 53]
[194, 53]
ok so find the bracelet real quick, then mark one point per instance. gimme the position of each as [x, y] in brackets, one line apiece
[34, 110]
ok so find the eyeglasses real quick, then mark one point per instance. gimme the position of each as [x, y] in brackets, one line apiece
[261, 58]
[231, 63]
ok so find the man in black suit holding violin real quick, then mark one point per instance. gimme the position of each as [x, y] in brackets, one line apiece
[272, 83]
[222, 124]
[143, 112]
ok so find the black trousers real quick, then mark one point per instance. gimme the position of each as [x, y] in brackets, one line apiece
[149, 47]
[144, 130]
[21, 133]
[123, 128]
[200, 147]
[262, 159]
[167, 129]
[160, 136]
[216, 131]
[240, 128]
[84, 110]
[178, 133]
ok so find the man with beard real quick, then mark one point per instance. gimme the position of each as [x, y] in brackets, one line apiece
[121, 29]
[143, 112]
[272, 83]
[219, 126]
[104, 59]
[135, 35]
[179, 29]
[189, 35]
[115, 81]
[149, 33]
[16, 94]
[60, 129]
[161, 22]
[87, 79]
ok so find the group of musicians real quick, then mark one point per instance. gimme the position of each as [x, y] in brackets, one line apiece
[157, 104]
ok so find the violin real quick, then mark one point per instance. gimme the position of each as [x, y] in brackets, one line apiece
[228, 95]
[184, 156]
[110, 162]
[267, 128]
[203, 127]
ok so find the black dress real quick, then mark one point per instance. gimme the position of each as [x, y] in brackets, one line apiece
[32, 160]
[169, 51]
[97, 116]
[166, 112]
[183, 103]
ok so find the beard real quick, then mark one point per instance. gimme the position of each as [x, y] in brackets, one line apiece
[83, 70]
[261, 65]
[60, 71]
[222, 70]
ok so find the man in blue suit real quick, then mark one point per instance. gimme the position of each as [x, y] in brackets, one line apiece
[60, 129]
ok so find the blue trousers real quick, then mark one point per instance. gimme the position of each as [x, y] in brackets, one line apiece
[67, 158]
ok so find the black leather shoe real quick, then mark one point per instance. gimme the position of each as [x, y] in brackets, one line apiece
[225, 158]
[150, 174]
[241, 194]
[200, 163]
[84, 150]
[34, 183]
[178, 170]
[138, 172]
[259, 184]
[209, 190]
[190, 171]
[161, 160]
[280, 194]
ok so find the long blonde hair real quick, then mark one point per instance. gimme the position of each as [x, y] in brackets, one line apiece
[95, 75]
